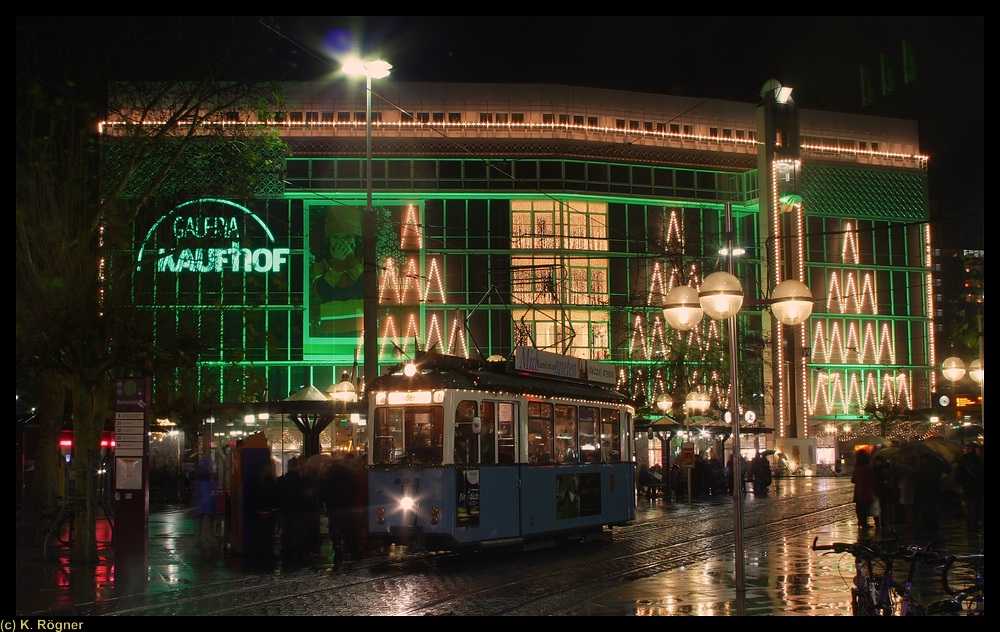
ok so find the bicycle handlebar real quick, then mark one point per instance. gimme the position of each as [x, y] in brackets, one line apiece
[879, 549]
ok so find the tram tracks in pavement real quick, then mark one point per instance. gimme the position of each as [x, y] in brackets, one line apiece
[495, 582]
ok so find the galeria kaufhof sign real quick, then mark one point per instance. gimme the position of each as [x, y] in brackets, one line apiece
[213, 232]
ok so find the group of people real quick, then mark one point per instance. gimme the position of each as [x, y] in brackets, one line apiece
[292, 505]
[903, 490]
[708, 476]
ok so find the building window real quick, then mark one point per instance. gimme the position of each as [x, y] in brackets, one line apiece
[578, 119]
[549, 224]
[454, 117]
[424, 117]
[312, 117]
[648, 125]
[689, 130]
[548, 119]
[633, 124]
[620, 123]
[517, 117]
[501, 117]
[295, 117]
[592, 121]
[675, 128]
[564, 119]
[438, 117]
[328, 117]
[485, 117]
[344, 117]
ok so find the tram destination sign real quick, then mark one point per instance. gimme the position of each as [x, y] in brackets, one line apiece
[557, 365]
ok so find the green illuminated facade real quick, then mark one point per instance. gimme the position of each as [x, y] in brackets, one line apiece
[556, 217]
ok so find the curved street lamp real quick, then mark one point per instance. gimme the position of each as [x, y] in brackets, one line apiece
[372, 69]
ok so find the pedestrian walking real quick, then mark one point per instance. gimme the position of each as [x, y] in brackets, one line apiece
[969, 474]
[338, 491]
[884, 488]
[904, 475]
[865, 498]
[205, 507]
[293, 513]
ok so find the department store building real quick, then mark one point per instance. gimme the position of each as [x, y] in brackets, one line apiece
[559, 217]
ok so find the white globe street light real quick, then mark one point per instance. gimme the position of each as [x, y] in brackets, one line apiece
[681, 308]
[953, 368]
[721, 298]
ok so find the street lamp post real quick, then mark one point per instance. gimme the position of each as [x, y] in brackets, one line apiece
[954, 369]
[373, 69]
[721, 297]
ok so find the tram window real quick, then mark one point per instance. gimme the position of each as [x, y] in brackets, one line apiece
[466, 440]
[388, 435]
[466, 444]
[487, 434]
[539, 432]
[566, 447]
[423, 433]
[611, 436]
[589, 443]
[506, 425]
[465, 410]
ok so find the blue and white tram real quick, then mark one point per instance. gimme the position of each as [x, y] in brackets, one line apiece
[475, 454]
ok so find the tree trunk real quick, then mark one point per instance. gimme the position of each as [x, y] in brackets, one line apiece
[91, 406]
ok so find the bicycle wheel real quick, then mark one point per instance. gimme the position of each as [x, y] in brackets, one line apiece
[862, 604]
[963, 573]
[899, 602]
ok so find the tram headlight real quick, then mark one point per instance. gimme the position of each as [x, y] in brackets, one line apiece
[406, 502]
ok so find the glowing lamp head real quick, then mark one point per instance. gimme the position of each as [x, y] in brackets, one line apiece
[976, 371]
[721, 295]
[953, 368]
[681, 308]
[791, 302]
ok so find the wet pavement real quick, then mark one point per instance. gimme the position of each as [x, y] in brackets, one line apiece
[782, 575]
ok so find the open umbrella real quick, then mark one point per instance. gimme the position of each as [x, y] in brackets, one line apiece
[943, 450]
[869, 442]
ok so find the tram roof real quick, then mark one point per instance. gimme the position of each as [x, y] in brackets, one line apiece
[502, 382]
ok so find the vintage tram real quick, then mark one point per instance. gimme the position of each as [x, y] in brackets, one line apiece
[521, 451]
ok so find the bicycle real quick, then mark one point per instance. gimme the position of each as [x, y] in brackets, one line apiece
[963, 578]
[875, 590]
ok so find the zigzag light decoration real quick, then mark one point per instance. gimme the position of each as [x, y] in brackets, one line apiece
[457, 344]
[410, 235]
[434, 337]
[410, 282]
[389, 335]
[434, 281]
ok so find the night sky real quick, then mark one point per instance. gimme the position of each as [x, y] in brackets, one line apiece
[728, 57]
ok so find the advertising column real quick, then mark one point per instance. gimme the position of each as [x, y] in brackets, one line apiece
[131, 533]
